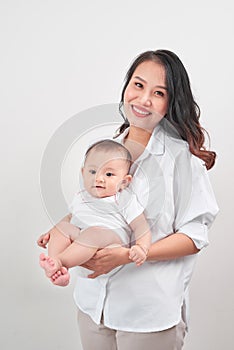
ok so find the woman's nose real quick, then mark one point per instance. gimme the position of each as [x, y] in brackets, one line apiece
[145, 98]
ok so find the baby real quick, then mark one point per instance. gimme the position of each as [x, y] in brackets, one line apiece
[102, 215]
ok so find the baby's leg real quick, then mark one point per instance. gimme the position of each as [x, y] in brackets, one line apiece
[86, 245]
[99, 237]
[61, 237]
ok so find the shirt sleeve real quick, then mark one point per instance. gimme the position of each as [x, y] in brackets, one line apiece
[195, 204]
[130, 206]
[72, 206]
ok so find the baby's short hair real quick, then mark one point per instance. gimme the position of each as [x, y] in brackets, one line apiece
[110, 145]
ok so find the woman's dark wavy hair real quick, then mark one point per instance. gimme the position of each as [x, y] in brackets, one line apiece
[183, 112]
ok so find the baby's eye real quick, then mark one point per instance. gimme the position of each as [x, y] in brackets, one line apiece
[92, 171]
[109, 174]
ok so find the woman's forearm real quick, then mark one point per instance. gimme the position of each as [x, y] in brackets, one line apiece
[174, 246]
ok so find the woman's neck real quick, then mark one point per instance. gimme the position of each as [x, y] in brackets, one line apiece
[136, 141]
[138, 135]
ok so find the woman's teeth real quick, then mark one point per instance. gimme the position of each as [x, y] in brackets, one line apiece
[140, 111]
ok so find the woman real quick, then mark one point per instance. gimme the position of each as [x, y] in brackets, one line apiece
[145, 307]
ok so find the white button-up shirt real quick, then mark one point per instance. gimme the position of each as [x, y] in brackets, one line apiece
[173, 187]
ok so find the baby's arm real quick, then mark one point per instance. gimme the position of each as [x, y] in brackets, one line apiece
[45, 237]
[138, 252]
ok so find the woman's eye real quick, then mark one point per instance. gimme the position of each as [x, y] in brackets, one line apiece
[159, 93]
[109, 174]
[92, 171]
[139, 85]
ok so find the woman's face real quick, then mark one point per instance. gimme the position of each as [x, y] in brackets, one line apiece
[146, 97]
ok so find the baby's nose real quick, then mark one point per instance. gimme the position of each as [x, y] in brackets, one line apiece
[99, 178]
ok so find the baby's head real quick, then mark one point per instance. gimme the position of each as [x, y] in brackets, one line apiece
[106, 168]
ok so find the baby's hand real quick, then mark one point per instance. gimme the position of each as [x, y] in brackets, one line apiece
[138, 254]
[43, 240]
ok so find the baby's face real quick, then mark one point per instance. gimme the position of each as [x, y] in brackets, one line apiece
[105, 173]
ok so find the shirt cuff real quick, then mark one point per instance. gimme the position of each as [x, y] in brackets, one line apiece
[197, 232]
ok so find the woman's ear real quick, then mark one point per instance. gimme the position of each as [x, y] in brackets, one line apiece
[125, 182]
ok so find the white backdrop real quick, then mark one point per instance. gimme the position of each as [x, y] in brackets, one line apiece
[61, 57]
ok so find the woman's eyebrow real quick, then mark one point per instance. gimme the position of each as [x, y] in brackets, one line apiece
[158, 86]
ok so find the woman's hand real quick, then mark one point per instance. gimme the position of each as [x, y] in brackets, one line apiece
[106, 260]
[43, 240]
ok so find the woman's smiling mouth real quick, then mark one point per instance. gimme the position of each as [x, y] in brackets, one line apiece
[139, 111]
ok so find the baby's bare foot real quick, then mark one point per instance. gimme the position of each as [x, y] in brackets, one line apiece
[50, 265]
[61, 277]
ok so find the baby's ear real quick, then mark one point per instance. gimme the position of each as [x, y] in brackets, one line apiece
[126, 181]
[128, 178]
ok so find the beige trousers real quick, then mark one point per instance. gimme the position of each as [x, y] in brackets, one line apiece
[99, 337]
